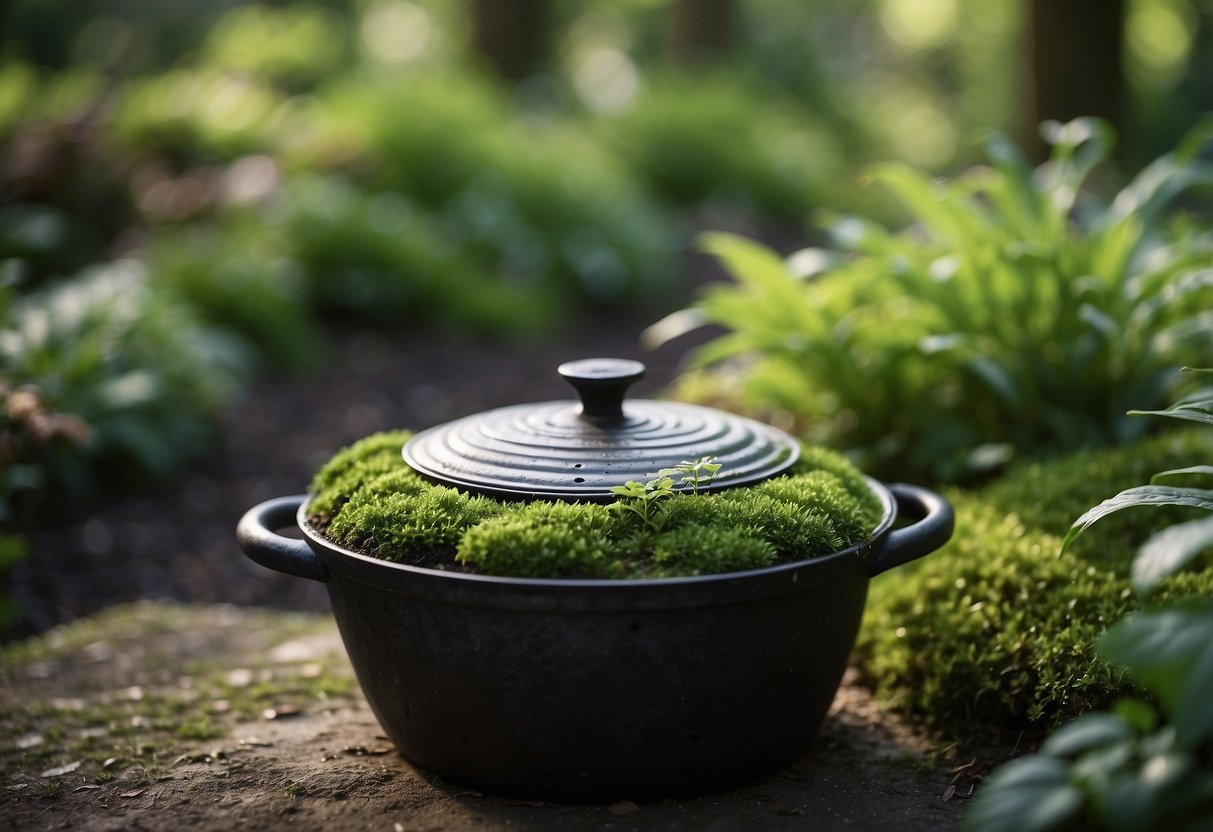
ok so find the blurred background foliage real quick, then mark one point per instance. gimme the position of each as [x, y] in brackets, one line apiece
[244, 173]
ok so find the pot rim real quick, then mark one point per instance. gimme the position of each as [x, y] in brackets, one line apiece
[722, 587]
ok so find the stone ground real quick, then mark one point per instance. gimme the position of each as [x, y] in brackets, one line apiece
[161, 716]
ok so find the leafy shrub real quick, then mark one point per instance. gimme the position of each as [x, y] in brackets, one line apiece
[699, 140]
[1121, 770]
[535, 202]
[136, 367]
[367, 498]
[1020, 313]
[999, 626]
[294, 46]
[202, 111]
[380, 254]
[239, 279]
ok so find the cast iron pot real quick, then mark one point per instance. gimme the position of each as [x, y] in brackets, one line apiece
[599, 690]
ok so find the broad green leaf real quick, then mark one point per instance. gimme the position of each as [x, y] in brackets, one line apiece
[1167, 551]
[1186, 412]
[751, 262]
[1137, 714]
[1022, 204]
[948, 219]
[997, 378]
[1177, 472]
[1031, 794]
[1135, 800]
[1142, 495]
[1170, 653]
[1195, 140]
[1087, 732]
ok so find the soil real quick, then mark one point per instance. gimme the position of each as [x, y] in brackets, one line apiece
[327, 765]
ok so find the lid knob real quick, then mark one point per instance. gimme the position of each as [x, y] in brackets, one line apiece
[601, 384]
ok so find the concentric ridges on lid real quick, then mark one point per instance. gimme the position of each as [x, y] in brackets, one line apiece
[547, 450]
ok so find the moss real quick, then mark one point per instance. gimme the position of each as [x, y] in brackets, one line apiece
[695, 549]
[367, 499]
[359, 463]
[998, 626]
[545, 540]
[409, 527]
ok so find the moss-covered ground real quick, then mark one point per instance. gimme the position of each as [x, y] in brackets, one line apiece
[997, 628]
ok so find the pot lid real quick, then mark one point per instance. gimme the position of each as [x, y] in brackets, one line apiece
[579, 450]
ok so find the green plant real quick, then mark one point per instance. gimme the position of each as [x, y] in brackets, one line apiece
[137, 371]
[999, 627]
[202, 112]
[1020, 314]
[699, 140]
[236, 277]
[382, 255]
[532, 200]
[645, 499]
[1123, 770]
[1173, 547]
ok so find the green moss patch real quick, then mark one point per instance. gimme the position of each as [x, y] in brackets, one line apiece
[367, 499]
[998, 627]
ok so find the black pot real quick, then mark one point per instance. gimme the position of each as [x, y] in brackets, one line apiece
[592, 690]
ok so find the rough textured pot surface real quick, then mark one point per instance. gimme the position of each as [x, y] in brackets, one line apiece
[599, 690]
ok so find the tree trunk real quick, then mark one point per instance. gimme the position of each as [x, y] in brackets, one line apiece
[1074, 64]
[511, 34]
[699, 30]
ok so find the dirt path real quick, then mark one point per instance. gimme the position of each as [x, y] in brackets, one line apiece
[162, 716]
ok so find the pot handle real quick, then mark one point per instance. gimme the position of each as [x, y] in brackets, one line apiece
[921, 537]
[256, 535]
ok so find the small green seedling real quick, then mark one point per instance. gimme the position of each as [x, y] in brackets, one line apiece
[645, 499]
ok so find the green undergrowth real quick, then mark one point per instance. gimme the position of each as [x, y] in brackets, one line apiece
[999, 626]
[367, 499]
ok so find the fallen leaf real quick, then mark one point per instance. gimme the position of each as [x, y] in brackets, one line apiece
[254, 742]
[16, 787]
[133, 793]
[61, 770]
[623, 808]
[87, 787]
[949, 793]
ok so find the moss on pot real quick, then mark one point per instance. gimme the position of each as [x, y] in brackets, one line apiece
[367, 499]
